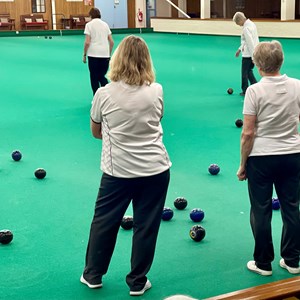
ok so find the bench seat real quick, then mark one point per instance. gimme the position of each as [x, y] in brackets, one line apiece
[33, 22]
[6, 22]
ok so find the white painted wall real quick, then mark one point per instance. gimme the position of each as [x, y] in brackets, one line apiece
[288, 10]
[140, 4]
[163, 9]
[182, 6]
[225, 27]
[205, 9]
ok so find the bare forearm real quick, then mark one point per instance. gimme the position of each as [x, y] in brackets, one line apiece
[98, 136]
[246, 148]
[85, 48]
[97, 132]
[96, 129]
[111, 44]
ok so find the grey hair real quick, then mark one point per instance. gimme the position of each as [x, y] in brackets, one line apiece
[268, 56]
[238, 16]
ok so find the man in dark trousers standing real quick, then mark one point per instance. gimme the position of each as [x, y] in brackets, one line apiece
[249, 40]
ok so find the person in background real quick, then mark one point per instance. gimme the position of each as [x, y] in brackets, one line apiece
[270, 156]
[98, 46]
[126, 114]
[249, 39]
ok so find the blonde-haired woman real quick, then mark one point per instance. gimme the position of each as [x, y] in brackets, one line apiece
[126, 115]
[270, 156]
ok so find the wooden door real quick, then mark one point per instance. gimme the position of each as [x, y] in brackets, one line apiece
[131, 15]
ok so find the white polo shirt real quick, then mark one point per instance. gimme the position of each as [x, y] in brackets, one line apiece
[99, 31]
[132, 144]
[249, 38]
[275, 101]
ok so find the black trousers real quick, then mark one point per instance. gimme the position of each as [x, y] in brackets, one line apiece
[247, 73]
[98, 67]
[148, 195]
[282, 171]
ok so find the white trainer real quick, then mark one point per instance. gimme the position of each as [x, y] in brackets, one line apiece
[91, 286]
[142, 291]
[290, 269]
[253, 268]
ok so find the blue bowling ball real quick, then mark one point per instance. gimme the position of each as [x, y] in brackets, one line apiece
[197, 215]
[16, 155]
[167, 214]
[213, 169]
[275, 204]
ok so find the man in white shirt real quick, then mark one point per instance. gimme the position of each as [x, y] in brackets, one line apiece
[249, 39]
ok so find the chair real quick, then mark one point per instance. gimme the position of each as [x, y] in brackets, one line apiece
[6, 22]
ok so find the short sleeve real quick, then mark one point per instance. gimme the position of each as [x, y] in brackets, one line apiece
[249, 103]
[87, 29]
[96, 114]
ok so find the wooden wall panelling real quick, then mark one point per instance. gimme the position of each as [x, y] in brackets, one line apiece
[70, 8]
[230, 9]
[22, 7]
[276, 9]
[174, 11]
[17, 8]
[48, 14]
[254, 8]
[264, 9]
[193, 8]
[297, 14]
[217, 8]
[251, 8]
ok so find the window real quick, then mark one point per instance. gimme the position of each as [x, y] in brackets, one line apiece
[38, 6]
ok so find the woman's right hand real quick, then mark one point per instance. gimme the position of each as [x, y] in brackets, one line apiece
[241, 173]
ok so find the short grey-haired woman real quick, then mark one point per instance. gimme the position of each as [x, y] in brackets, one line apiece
[126, 114]
[270, 157]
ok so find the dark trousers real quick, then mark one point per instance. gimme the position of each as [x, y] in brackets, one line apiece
[282, 171]
[98, 67]
[247, 73]
[148, 196]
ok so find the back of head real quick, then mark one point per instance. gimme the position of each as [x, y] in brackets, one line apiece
[268, 56]
[94, 13]
[238, 16]
[131, 62]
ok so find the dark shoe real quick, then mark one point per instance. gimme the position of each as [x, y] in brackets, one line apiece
[289, 269]
[142, 291]
[251, 265]
[91, 286]
[242, 94]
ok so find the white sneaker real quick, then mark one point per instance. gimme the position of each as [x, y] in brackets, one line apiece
[91, 286]
[142, 291]
[253, 268]
[290, 269]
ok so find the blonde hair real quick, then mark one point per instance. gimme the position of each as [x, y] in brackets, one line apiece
[268, 56]
[238, 16]
[131, 62]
